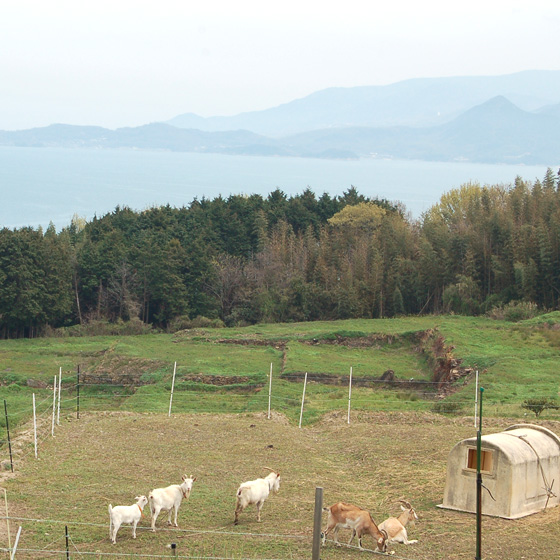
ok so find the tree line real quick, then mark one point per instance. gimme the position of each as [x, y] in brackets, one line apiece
[248, 259]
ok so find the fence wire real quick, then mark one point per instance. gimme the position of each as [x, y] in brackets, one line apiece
[173, 530]
[99, 397]
[95, 396]
[63, 554]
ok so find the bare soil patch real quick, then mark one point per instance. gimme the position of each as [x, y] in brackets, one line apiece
[108, 367]
[219, 380]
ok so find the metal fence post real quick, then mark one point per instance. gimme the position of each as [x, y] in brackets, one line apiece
[302, 399]
[172, 388]
[78, 393]
[479, 484]
[9, 440]
[67, 543]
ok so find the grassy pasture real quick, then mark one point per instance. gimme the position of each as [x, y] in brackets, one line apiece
[395, 447]
[379, 458]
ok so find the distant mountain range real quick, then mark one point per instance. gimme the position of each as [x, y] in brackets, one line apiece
[502, 119]
[416, 102]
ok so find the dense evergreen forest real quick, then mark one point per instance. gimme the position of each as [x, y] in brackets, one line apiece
[248, 259]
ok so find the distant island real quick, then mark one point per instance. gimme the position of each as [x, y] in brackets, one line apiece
[512, 119]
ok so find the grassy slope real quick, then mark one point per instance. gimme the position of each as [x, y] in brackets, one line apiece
[516, 362]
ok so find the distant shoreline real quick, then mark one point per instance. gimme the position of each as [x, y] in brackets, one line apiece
[41, 185]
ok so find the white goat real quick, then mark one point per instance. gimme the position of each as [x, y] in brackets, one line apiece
[169, 499]
[359, 520]
[256, 492]
[396, 526]
[125, 514]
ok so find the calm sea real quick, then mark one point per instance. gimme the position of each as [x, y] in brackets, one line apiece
[42, 185]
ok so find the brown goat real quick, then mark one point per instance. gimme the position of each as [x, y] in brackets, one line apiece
[359, 520]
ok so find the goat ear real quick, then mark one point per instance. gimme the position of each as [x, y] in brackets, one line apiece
[193, 478]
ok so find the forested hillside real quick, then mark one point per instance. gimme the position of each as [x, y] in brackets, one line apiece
[249, 259]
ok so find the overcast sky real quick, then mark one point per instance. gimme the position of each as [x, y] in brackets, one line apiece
[120, 63]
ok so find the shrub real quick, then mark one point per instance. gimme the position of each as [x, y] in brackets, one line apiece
[539, 404]
[515, 311]
[13, 378]
[185, 323]
[447, 407]
[407, 396]
[104, 328]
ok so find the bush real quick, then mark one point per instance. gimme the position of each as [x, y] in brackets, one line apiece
[185, 323]
[539, 404]
[13, 378]
[514, 311]
[407, 396]
[103, 328]
[447, 407]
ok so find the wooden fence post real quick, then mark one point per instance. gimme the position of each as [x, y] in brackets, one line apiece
[315, 553]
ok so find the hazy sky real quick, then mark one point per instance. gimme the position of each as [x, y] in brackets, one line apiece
[129, 62]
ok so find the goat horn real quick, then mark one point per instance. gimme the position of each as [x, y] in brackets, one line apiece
[269, 469]
[406, 504]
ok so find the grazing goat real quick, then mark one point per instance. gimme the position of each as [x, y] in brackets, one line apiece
[125, 514]
[396, 526]
[359, 520]
[256, 492]
[169, 499]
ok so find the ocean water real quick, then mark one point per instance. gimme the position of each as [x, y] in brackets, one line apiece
[43, 185]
